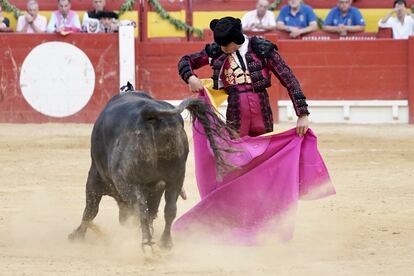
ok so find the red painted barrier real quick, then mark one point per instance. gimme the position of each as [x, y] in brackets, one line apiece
[327, 70]
[102, 50]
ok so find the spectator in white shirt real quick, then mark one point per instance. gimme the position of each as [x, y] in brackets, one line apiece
[31, 22]
[64, 20]
[260, 19]
[402, 23]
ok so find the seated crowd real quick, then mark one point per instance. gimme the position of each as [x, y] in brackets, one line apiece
[64, 20]
[297, 18]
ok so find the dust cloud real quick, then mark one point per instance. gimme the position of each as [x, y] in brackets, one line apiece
[363, 230]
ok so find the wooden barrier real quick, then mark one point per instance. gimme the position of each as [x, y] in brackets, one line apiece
[328, 70]
[102, 51]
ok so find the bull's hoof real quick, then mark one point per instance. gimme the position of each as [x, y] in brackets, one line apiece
[123, 220]
[95, 229]
[149, 250]
[124, 216]
[76, 236]
[166, 243]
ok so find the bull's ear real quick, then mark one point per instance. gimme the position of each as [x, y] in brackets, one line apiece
[130, 86]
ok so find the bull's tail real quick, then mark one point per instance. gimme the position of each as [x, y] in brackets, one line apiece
[218, 133]
[215, 128]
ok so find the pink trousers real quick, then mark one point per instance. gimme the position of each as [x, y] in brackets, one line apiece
[251, 117]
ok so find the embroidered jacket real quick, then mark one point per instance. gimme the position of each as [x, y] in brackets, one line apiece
[261, 57]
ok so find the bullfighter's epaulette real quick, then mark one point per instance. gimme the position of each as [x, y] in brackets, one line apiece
[213, 50]
[262, 47]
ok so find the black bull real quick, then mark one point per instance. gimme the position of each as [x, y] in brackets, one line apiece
[139, 149]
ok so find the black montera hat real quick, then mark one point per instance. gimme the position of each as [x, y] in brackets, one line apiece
[226, 30]
[106, 14]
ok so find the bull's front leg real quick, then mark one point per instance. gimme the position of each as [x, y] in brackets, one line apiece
[93, 197]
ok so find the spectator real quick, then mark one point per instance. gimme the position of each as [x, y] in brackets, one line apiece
[297, 19]
[98, 6]
[260, 19]
[344, 18]
[32, 22]
[402, 23]
[64, 20]
[4, 22]
[107, 22]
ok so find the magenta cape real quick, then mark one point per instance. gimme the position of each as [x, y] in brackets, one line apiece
[275, 171]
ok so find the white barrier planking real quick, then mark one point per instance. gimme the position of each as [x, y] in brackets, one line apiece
[354, 112]
[351, 111]
[126, 55]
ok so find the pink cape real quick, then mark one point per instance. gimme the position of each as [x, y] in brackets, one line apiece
[261, 196]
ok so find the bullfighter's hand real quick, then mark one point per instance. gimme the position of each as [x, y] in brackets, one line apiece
[302, 125]
[195, 84]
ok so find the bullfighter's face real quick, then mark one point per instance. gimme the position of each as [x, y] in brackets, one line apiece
[230, 48]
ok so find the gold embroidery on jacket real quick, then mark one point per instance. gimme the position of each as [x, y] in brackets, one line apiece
[234, 74]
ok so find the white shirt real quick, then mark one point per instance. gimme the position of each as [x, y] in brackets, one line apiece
[242, 50]
[251, 18]
[40, 21]
[69, 21]
[399, 31]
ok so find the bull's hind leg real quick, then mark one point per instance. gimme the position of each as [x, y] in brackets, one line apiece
[154, 198]
[170, 211]
[144, 219]
[136, 197]
[93, 198]
[125, 211]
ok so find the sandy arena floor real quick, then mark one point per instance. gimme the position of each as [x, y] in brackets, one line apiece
[366, 229]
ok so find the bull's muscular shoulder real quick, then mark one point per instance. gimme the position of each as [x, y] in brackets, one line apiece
[213, 50]
[262, 47]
